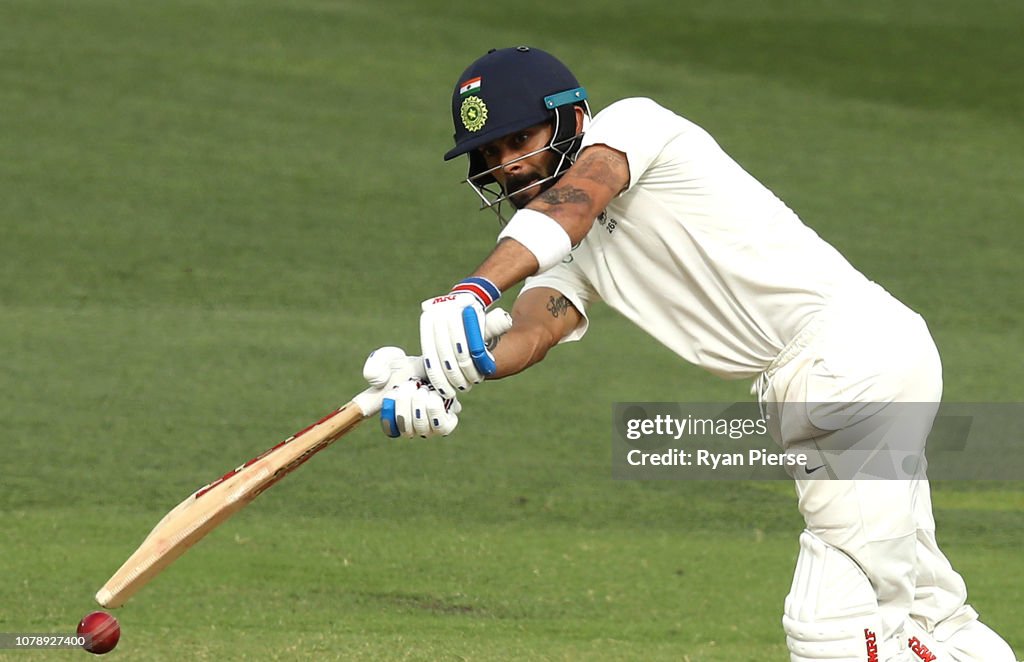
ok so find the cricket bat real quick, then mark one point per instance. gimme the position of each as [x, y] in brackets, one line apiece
[209, 506]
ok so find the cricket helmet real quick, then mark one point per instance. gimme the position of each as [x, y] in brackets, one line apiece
[508, 90]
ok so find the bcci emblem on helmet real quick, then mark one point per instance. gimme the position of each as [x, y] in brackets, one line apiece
[473, 113]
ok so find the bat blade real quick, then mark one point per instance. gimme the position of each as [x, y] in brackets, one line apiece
[208, 507]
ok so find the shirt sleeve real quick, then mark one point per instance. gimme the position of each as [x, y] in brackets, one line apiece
[639, 128]
[573, 286]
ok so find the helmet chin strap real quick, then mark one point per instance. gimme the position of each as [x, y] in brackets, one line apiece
[492, 195]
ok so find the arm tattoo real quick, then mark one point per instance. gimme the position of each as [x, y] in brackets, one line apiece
[561, 195]
[558, 306]
[602, 167]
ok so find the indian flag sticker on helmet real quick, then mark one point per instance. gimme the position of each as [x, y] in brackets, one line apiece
[470, 85]
[473, 113]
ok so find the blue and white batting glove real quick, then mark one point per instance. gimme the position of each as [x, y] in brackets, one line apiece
[452, 336]
[415, 409]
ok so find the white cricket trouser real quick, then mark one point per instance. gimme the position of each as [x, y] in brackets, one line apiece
[868, 349]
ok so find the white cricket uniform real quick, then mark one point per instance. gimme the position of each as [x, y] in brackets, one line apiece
[696, 251]
[712, 264]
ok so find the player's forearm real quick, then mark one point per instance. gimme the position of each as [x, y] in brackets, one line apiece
[541, 317]
[517, 351]
[508, 264]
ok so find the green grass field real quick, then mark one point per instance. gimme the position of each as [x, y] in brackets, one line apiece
[211, 210]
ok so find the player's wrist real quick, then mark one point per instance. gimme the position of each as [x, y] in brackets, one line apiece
[482, 288]
[541, 235]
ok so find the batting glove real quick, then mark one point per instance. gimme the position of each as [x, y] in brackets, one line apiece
[452, 336]
[415, 409]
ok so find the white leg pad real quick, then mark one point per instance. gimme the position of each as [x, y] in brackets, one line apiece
[923, 646]
[831, 612]
[969, 640]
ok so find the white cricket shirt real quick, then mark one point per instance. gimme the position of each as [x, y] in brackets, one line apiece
[696, 251]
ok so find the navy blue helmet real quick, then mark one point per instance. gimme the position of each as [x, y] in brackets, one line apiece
[508, 90]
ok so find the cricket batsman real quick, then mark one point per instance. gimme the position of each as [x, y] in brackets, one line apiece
[640, 208]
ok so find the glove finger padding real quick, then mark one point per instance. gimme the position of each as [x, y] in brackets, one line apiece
[440, 332]
[442, 415]
[378, 366]
[396, 410]
[450, 338]
[416, 409]
[432, 415]
[464, 368]
[420, 420]
[431, 362]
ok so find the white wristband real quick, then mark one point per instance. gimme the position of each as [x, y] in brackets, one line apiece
[541, 235]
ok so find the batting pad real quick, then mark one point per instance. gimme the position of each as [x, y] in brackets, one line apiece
[831, 612]
[966, 639]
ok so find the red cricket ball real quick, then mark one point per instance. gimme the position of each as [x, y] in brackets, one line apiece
[101, 631]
